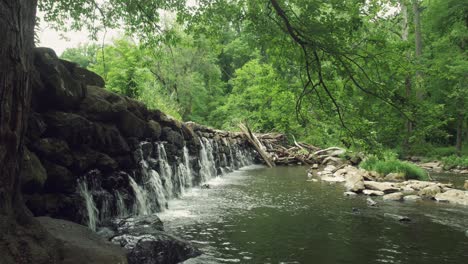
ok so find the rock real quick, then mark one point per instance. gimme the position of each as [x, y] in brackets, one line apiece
[139, 225]
[105, 233]
[399, 218]
[373, 193]
[73, 128]
[453, 196]
[81, 245]
[315, 166]
[371, 202]
[329, 168]
[385, 187]
[154, 129]
[395, 177]
[393, 196]
[330, 178]
[130, 125]
[349, 194]
[429, 191]
[412, 198]
[60, 89]
[354, 182]
[161, 248]
[173, 137]
[430, 165]
[33, 175]
[205, 186]
[87, 159]
[96, 107]
[59, 179]
[417, 185]
[466, 185]
[332, 161]
[36, 126]
[147, 244]
[408, 190]
[54, 150]
[464, 172]
[83, 75]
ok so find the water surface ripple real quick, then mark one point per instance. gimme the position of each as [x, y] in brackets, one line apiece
[263, 215]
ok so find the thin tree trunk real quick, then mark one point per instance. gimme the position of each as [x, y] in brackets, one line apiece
[404, 37]
[420, 94]
[459, 143]
[22, 239]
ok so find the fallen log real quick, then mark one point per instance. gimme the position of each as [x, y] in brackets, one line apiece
[257, 145]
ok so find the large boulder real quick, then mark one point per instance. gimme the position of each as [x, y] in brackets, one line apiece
[87, 159]
[430, 191]
[173, 137]
[59, 179]
[54, 150]
[81, 245]
[130, 125]
[453, 196]
[148, 244]
[60, 88]
[33, 175]
[386, 187]
[393, 196]
[161, 248]
[83, 75]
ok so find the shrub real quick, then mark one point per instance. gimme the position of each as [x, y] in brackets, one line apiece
[390, 164]
[453, 161]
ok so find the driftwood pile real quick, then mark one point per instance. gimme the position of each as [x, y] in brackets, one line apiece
[275, 150]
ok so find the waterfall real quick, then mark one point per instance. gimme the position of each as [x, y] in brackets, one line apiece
[157, 193]
[120, 205]
[91, 208]
[207, 163]
[165, 171]
[141, 205]
[189, 175]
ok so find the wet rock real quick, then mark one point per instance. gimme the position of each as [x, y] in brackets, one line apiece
[393, 196]
[429, 192]
[161, 248]
[315, 166]
[385, 187]
[349, 194]
[154, 129]
[172, 137]
[130, 125]
[466, 185]
[373, 193]
[96, 107]
[54, 150]
[81, 245]
[60, 89]
[138, 225]
[146, 242]
[453, 196]
[33, 175]
[87, 159]
[205, 186]
[399, 218]
[105, 233]
[412, 198]
[73, 128]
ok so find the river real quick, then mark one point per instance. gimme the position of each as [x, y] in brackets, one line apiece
[273, 215]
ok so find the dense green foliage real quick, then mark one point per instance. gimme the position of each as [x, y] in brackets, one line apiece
[390, 164]
[328, 72]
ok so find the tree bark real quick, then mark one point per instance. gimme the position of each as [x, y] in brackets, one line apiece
[22, 239]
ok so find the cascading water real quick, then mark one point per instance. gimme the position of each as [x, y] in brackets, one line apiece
[165, 171]
[91, 209]
[207, 164]
[158, 180]
[141, 203]
[120, 205]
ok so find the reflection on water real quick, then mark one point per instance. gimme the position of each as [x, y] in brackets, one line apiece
[262, 215]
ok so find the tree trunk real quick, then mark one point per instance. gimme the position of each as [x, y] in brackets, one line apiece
[420, 94]
[459, 143]
[22, 239]
[404, 37]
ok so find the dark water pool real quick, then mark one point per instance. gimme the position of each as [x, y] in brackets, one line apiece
[262, 215]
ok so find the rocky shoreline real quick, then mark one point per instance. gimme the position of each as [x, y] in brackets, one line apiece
[391, 187]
